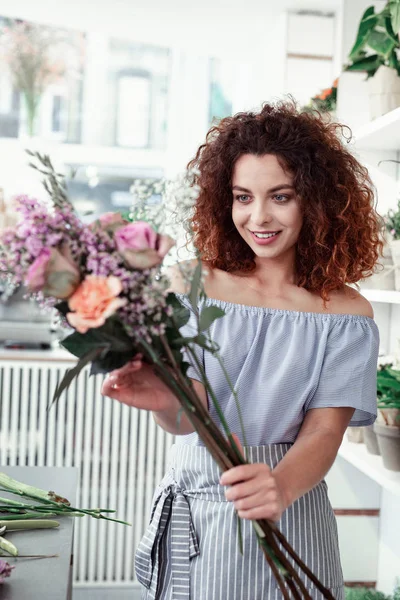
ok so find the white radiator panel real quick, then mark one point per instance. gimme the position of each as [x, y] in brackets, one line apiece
[120, 452]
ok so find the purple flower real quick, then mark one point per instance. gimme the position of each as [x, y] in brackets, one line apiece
[34, 245]
[5, 570]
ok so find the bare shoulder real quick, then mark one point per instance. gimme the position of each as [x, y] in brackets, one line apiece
[350, 301]
[179, 275]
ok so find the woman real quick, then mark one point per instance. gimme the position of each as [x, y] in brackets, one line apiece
[284, 222]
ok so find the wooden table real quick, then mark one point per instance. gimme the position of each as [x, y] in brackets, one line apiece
[47, 578]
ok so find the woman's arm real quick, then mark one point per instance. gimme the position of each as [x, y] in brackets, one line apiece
[169, 419]
[313, 453]
[261, 493]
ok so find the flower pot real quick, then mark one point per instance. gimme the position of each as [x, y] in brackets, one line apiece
[389, 445]
[371, 441]
[355, 434]
[383, 279]
[383, 91]
[395, 250]
[390, 416]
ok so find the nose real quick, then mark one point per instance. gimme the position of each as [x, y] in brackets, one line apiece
[261, 213]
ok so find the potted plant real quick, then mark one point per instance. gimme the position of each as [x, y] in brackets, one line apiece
[375, 52]
[371, 440]
[325, 101]
[392, 223]
[364, 593]
[387, 428]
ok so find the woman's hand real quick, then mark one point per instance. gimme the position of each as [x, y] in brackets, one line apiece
[137, 385]
[254, 491]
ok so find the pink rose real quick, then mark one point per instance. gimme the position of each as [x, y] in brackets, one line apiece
[141, 246]
[36, 276]
[54, 273]
[110, 221]
[94, 301]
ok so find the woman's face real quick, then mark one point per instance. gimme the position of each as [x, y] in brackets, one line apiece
[266, 210]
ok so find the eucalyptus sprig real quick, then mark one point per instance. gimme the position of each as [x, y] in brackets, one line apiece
[54, 183]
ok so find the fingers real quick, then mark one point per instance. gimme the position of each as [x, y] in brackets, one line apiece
[128, 367]
[121, 377]
[272, 512]
[243, 473]
[250, 488]
[254, 492]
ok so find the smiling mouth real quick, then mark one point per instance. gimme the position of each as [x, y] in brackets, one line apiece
[265, 235]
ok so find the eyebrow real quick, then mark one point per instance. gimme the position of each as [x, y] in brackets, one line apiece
[276, 188]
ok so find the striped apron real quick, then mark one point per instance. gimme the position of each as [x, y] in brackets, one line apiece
[190, 550]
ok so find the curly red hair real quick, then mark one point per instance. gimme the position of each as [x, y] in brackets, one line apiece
[341, 238]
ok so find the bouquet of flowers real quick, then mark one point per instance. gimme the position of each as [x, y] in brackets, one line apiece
[105, 280]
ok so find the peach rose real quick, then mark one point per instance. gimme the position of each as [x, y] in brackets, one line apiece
[94, 301]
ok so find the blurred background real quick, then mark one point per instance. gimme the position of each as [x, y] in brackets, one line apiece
[116, 91]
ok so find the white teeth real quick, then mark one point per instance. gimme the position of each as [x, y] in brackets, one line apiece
[266, 235]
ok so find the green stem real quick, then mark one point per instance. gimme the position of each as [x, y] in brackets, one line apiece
[21, 489]
[234, 393]
[31, 104]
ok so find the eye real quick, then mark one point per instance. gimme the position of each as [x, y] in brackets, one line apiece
[281, 198]
[243, 198]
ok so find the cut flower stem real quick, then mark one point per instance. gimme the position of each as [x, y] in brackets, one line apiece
[49, 505]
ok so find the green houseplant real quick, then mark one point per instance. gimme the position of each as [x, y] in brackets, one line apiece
[387, 428]
[375, 52]
[364, 593]
[392, 223]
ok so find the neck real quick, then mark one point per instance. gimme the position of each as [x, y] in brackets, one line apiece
[275, 273]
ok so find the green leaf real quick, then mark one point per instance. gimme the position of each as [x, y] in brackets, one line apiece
[195, 286]
[367, 23]
[369, 64]
[381, 43]
[394, 63]
[199, 340]
[208, 315]
[109, 361]
[394, 8]
[63, 307]
[74, 372]
[389, 30]
[112, 334]
[181, 312]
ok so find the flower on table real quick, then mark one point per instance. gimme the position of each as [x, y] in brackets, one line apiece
[5, 570]
[94, 301]
[141, 246]
[53, 273]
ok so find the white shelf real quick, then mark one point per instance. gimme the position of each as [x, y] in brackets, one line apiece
[382, 133]
[370, 465]
[387, 296]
